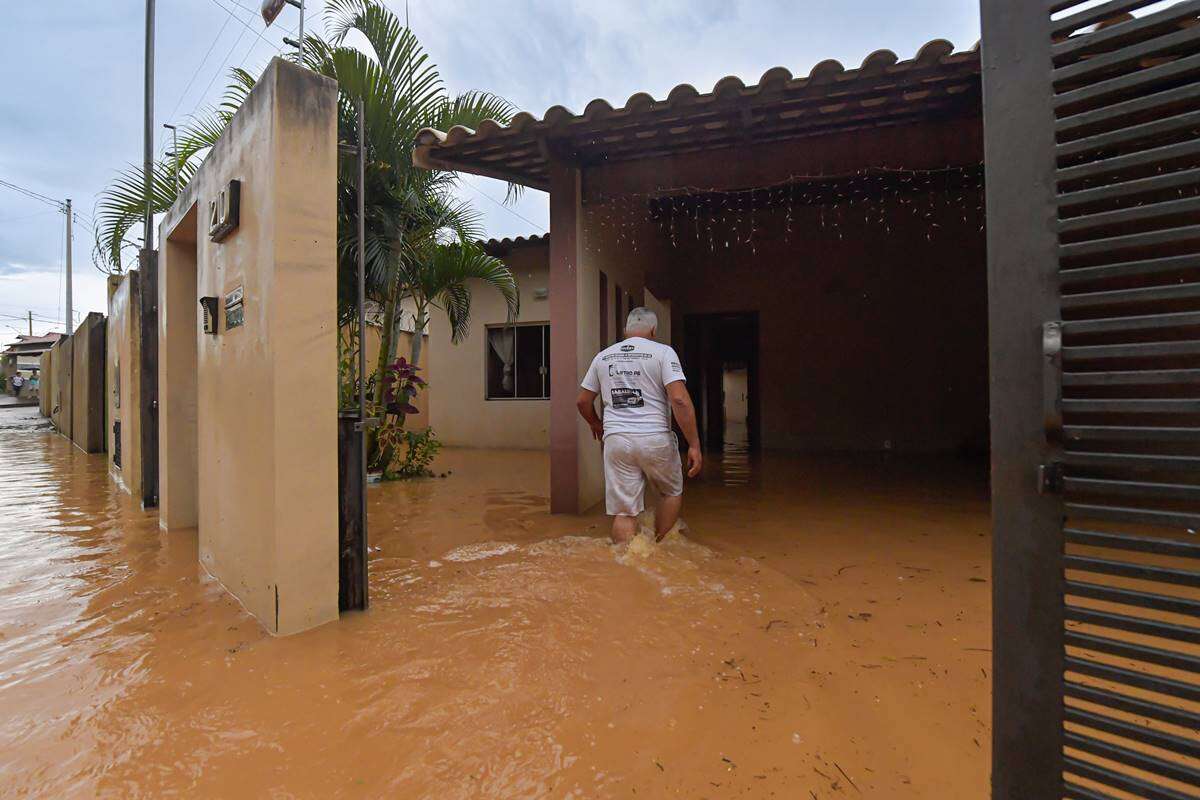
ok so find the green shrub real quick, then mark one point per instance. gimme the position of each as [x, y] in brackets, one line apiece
[415, 453]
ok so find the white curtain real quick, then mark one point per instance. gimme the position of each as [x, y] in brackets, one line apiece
[502, 345]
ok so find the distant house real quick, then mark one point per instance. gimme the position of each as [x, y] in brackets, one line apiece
[24, 355]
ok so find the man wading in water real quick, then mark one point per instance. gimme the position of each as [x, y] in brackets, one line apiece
[636, 379]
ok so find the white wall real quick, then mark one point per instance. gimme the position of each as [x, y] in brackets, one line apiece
[461, 415]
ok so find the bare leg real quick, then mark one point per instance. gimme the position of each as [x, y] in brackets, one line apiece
[624, 529]
[666, 515]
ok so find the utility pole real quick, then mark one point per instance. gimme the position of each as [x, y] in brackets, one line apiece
[70, 317]
[30, 313]
[148, 130]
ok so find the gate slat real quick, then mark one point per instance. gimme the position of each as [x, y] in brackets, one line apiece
[1180, 123]
[1144, 377]
[1125, 57]
[1149, 405]
[1108, 167]
[1128, 677]
[1131, 597]
[1119, 780]
[1132, 241]
[1125, 569]
[1137, 733]
[1067, 126]
[1180, 179]
[1132, 758]
[1131, 705]
[1173, 491]
[1149, 266]
[1138, 652]
[1136, 433]
[1090, 16]
[1146, 80]
[1171, 519]
[1146, 294]
[1074, 791]
[1130, 624]
[1134, 461]
[1129, 31]
[1143, 213]
[1145, 322]
[1190, 347]
[1143, 544]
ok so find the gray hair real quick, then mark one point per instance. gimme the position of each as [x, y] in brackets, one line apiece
[641, 319]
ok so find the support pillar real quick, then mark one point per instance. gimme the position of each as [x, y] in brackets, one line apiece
[565, 259]
[576, 467]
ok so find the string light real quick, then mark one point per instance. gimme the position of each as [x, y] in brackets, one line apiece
[724, 218]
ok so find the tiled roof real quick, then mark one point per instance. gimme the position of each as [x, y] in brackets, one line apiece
[24, 344]
[498, 247]
[882, 91]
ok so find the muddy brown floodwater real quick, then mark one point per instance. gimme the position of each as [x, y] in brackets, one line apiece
[821, 632]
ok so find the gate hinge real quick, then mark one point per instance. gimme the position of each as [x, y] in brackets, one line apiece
[1050, 478]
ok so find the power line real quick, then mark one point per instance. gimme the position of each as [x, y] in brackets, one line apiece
[30, 193]
[224, 61]
[503, 206]
[199, 67]
[242, 22]
[255, 14]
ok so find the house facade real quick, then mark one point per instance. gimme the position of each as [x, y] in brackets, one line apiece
[493, 387]
[821, 235]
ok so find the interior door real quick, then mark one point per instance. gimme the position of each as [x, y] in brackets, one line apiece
[1092, 114]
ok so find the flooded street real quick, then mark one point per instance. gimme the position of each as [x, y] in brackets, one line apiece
[821, 631]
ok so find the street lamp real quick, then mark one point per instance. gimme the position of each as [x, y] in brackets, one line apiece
[271, 9]
[174, 151]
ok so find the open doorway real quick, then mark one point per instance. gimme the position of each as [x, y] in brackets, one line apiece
[179, 483]
[721, 353]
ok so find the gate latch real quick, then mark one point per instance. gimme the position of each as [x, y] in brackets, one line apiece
[1052, 415]
[1050, 478]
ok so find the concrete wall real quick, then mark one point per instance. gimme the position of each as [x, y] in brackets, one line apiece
[265, 407]
[123, 366]
[62, 364]
[462, 415]
[46, 383]
[88, 404]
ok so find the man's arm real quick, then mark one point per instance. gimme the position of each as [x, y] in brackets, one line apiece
[685, 415]
[586, 403]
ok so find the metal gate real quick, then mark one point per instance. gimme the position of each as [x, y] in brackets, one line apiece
[1092, 120]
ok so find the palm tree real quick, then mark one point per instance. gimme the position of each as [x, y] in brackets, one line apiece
[420, 240]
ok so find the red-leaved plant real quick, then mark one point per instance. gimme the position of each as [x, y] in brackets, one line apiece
[400, 385]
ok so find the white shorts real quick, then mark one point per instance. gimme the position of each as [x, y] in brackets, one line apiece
[629, 459]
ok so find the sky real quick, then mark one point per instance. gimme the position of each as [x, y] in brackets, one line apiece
[71, 103]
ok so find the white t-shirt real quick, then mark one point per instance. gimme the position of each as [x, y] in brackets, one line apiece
[631, 378]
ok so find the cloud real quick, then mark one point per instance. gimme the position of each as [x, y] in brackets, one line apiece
[71, 111]
[11, 268]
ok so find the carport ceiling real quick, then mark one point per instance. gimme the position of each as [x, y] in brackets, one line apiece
[937, 83]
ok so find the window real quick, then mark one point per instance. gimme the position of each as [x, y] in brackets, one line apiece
[518, 362]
